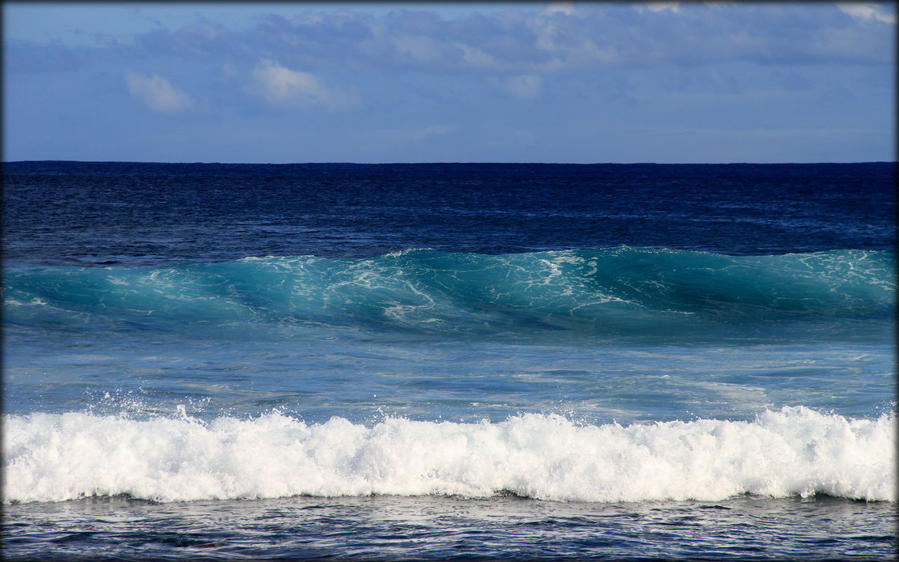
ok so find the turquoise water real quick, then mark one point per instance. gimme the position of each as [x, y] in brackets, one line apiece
[735, 361]
[618, 294]
[621, 401]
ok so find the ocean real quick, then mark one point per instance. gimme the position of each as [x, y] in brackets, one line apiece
[433, 361]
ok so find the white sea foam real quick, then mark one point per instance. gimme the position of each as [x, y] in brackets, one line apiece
[51, 457]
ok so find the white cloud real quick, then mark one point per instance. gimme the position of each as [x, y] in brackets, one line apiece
[472, 56]
[568, 43]
[546, 28]
[552, 37]
[525, 86]
[659, 6]
[566, 8]
[591, 51]
[420, 48]
[867, 12]
[157, 93]
[280, 86]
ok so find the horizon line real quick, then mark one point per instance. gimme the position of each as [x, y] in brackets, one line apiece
[446, 162]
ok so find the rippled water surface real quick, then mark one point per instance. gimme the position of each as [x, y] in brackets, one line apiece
[449, 361]
[388, 527]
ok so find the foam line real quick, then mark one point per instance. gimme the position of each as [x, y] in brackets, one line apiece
[794, 451]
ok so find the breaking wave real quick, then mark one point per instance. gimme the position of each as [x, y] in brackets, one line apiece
[611, 292]
[793, 451]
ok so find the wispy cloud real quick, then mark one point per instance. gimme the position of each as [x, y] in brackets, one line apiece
[475, 57]
[659, 6]
[525, 86]
[283, 87]
[566, 8]
[304, 51]
[867, 12]
[420, 48]
[441, 84]
[157, 93]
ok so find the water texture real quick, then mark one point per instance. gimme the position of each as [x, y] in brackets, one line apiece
[449, 361]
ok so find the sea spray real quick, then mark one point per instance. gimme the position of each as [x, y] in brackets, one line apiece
[793, 451]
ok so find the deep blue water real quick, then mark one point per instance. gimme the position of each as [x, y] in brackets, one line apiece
[449, 360]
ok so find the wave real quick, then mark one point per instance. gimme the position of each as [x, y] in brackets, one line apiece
[794, 451]
[616, 291]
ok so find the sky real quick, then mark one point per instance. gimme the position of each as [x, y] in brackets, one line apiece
[449, 82]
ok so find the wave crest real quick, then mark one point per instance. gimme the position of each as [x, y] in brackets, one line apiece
[613, 292]
[794, 451]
